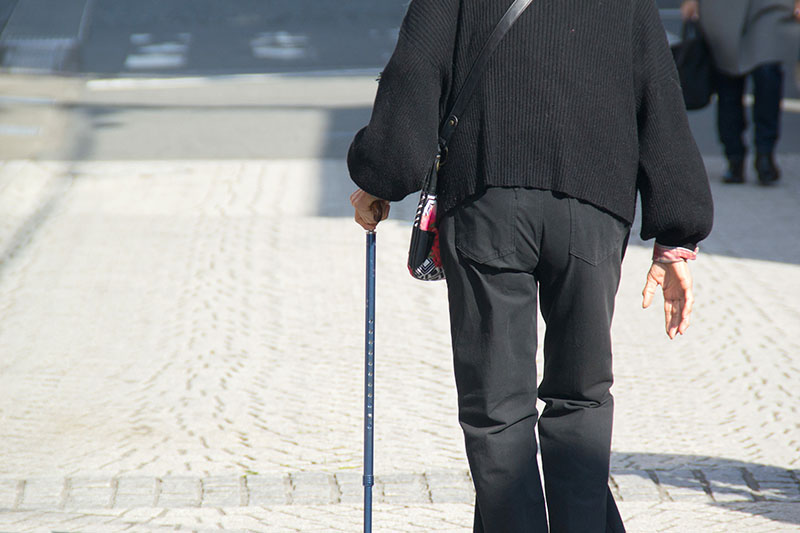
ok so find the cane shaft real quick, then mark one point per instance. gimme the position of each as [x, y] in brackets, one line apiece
[369, 383]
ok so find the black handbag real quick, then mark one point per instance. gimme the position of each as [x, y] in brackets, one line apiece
[424, 258]
[695, 67]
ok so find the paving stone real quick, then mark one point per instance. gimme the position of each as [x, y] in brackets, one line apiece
[728, 485]
[89, 493]
[635, 486]
[178, 492]
[773, 484]
[268, 490]
[9, 491]
[43, 493]
[135, 492]
[223, 491]
[351, 487]
[405, 488]
[450, 487]
[682, 485]
[314, 488]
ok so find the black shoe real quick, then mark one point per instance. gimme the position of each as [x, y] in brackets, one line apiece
[735, 172]
[768, 172]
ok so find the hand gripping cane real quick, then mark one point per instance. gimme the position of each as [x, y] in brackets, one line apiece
[369, 383]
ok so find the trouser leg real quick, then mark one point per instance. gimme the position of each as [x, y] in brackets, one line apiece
[578, 273]
[767, 93]
[493, 325]
[730, 115]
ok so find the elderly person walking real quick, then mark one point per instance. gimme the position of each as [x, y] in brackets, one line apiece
[579, 109]
[749, 38]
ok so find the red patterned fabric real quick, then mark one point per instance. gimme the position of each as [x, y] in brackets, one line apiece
[672, 254]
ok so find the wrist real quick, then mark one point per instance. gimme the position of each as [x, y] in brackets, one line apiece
[673, 254]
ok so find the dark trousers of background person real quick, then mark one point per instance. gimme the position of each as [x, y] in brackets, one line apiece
[497, 248]
[731, 121]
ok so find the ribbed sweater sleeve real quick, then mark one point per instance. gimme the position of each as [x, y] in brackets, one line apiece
[677, 207]
[391, 155]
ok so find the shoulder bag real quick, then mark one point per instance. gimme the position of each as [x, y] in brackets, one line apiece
[424, 258]
[695, 67]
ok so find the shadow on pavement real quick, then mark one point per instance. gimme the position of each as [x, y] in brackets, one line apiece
[727, 483]
[26, 231]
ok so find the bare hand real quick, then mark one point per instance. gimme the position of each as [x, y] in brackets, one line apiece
[690, 10]
[369, 209]
[676, 283]
[797, 10]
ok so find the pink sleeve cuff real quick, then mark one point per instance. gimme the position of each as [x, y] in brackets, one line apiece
[672, 254]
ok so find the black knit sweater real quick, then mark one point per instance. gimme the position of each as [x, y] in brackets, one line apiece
[581, 97]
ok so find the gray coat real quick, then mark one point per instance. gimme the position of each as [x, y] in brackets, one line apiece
[744, 34]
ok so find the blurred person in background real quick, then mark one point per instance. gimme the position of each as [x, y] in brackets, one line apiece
[752, 38]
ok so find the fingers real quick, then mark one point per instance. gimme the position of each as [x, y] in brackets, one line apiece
[368, 209]
[675, 280]
[648, 292]
[677, 315]
[673, 311]
[379, 209]
[366, 224]
[686, 313]
[690, 10]
[358, 193]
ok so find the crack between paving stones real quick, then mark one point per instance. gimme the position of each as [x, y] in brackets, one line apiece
[157, 491]
[64, 496]
[615, 488]
[427, 487]
[112, 498]
[290, 486]
[795, 478]
[335, 488]
[753, 485]
[663, 495]
[20, 494]
[56, 191]
[244, 492]
[701, 477]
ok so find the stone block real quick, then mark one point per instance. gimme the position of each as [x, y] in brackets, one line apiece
[635, 486]
[89, 493]
[179, 492]
[268, 490]
[450, 486]
[42, 493]
[8, 493]
[314, 488]
[222, 491]
[135, 492]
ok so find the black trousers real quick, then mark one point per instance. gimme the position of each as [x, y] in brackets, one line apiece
[497, 250]
[731, 121]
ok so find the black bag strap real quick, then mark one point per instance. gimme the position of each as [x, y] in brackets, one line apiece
[450, 123]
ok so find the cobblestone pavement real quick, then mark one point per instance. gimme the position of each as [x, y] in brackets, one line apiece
[182, 350]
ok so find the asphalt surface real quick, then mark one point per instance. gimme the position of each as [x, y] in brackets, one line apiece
[212, 36]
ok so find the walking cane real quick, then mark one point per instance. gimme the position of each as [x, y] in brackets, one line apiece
[369, 383]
